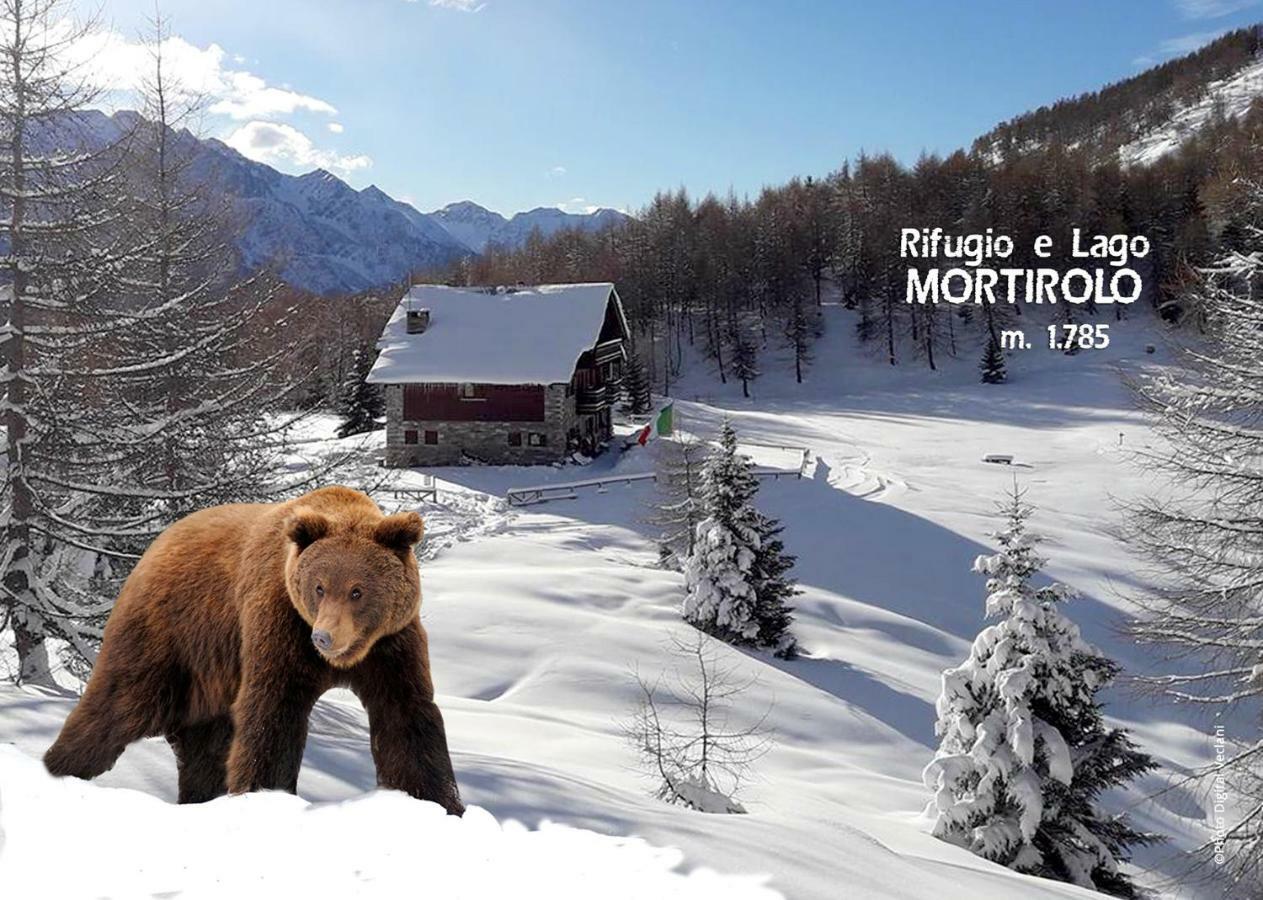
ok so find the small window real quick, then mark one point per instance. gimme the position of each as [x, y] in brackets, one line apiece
[468, 391]
[515, 439]
[410, 436]
[535, 439]
[431, 437]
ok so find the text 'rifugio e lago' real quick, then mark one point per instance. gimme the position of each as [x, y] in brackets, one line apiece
[977, 280]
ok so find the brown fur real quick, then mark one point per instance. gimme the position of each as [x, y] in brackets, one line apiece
[210, 645]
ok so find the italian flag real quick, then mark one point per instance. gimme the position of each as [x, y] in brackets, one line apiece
[661, 424]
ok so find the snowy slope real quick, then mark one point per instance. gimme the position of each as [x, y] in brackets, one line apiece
[1232, 96]
[537, 615]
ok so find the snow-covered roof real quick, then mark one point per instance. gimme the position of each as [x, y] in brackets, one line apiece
[524, 335]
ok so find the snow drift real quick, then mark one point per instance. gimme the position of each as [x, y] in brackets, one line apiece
[70, 838]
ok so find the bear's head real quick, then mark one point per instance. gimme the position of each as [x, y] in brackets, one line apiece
[353, 585]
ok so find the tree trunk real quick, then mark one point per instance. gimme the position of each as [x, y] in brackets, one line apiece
[28, 630]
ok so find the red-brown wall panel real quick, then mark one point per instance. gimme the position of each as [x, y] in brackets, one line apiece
[490, 403]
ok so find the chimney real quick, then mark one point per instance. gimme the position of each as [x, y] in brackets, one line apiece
[418, 321]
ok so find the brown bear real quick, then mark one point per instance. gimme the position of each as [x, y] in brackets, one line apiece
[236, 619]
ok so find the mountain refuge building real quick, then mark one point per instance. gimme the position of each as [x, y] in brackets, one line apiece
[503, 375]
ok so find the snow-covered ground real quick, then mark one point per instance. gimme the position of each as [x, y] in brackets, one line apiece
[1232, 95]
[538, 615]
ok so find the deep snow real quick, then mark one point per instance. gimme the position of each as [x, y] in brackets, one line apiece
[537, 615]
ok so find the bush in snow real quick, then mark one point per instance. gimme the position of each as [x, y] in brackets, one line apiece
[360, 403]
[681, 729]
[1025, 753]
[736, 578]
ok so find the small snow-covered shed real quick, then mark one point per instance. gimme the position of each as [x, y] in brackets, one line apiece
[514, 375]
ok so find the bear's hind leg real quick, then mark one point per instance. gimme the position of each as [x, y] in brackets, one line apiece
[97, 731]
[201, 753]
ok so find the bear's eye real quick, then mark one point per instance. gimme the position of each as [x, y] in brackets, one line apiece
[355, 594]
[320, 591]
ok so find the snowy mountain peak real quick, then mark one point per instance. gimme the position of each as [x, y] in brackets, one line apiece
[467, 209]
[478, 227]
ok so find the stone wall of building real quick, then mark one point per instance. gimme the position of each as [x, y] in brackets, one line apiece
[461, 443]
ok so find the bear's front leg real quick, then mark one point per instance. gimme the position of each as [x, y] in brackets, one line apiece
[408, 741]
[280, 683]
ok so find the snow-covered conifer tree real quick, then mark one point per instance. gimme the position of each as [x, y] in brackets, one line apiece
[736, 587]
[1025, 753]
[718, 575]
[361, 403]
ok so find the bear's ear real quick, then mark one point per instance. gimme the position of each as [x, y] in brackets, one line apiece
[305, 527]
[399, 532]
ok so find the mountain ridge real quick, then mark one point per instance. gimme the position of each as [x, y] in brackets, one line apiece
[479, 228]
[1140, 118]
[321, 234]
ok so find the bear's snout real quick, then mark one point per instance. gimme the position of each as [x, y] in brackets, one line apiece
[322, 639]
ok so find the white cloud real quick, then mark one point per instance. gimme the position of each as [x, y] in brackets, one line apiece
[120, 65]
[469, 6]
[556, 171]
[1212, 9]
[280, 144]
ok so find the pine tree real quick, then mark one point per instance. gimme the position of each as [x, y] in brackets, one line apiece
[1025, 752]
[745, 356]
[736, 586]
[800, 331]
[636, 386]
[360, 402]
[773, 589]
[992, 364]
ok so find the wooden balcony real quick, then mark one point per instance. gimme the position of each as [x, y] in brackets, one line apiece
[589, 400]
[608, 350]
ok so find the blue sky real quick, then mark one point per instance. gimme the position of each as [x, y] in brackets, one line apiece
[524, 103]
